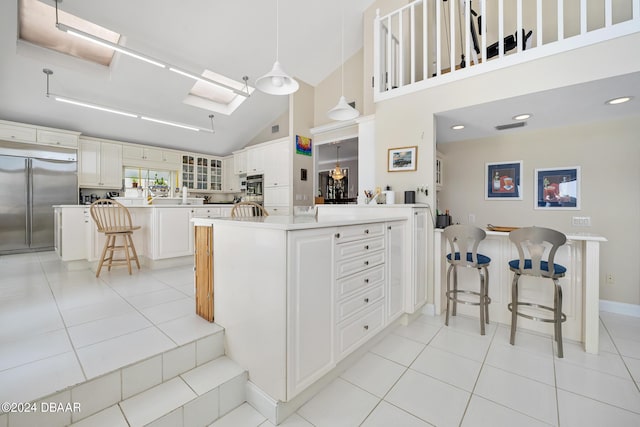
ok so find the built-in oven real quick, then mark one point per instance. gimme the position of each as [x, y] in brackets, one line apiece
[254, 190]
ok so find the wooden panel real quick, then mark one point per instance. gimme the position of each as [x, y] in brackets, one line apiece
[204, 272]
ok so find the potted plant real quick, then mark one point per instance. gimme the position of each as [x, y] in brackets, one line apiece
[134, 182]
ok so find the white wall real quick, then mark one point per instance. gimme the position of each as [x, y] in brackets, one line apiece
[301, 104]
[608, 154]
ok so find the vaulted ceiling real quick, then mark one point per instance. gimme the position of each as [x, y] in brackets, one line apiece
[232, 38]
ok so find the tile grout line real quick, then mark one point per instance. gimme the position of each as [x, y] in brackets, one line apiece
[620, 354]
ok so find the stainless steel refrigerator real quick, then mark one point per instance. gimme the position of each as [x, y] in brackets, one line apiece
[33, 179]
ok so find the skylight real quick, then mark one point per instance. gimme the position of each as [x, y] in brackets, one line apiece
[37, 22]
[215, 98]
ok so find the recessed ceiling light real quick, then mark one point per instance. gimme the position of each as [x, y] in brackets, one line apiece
[457, 127]
[620, 100]
[521, 117]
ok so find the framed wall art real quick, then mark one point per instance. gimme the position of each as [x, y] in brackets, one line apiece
[557, 188]
[402, 159]
[303, 145]
[503, 181]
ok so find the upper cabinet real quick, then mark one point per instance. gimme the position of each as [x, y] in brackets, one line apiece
[240, 162]
[256, 160]
[230, 181]
[10, 131]
[277, 164]
[99, 164]
[201, 173]
[145, 156]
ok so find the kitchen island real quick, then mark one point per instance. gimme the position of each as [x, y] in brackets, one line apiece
[164, 239]
[298, 295]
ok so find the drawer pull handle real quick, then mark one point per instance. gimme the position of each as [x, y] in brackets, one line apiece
[366, 231]
[366, 327]
[337, 235]
[366, 263]
[366, 300]
[366, 247]
[366, 280]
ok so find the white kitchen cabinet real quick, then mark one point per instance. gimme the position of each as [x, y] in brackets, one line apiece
[150, 157]
[255, 160]
[99, 164]
[70, 226]
[240, 162]
[215, 174]
[395, 269]
[277, 165]
[276, 197]
[418, 296]
[57, 138]
[14, 132]
[310, 325]
[230, 181]
[171, 232]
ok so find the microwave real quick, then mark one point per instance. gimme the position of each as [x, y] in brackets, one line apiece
[254, 185]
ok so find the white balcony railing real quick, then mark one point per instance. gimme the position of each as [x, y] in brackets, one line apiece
[428, 42]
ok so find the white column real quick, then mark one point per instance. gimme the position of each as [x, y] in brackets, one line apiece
[591, 277]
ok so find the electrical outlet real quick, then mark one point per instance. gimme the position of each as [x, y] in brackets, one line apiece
[581, 221]
[611, 279]
[472, 218]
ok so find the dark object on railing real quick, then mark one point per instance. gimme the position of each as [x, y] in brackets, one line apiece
[510, 42]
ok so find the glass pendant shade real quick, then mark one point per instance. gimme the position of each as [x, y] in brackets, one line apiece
[343, 111]
[277, 82]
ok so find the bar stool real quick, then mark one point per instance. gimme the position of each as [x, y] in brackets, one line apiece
[113, 219]
[532, 243]
[464, 239]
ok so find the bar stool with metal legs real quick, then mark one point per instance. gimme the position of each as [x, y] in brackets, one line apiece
[465, 239]
[532, 243]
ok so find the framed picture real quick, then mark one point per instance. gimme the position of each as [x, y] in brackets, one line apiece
[503, 181]
[558, 188]
[303, 145]
[402, 159]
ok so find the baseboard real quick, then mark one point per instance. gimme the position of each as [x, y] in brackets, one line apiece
[620, 308]
[429, 309]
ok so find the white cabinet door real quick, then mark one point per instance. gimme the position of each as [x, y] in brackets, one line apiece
[277, 166]
[240, 162]
[172, 233]
[9, 132]
[89, 163]
[71, 233]
[111, 165]
[276, 196]
[61, 139]
[310, 322]
[395, 269]
[230, 181]
[255, 160]
[153, 155]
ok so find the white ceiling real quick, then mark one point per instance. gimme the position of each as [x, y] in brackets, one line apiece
[565, 106]
[232, 38]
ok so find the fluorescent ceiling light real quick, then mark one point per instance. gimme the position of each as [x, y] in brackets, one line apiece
[92, 106]
[620, 100]
[139, 56]
[84, 104]
[521, 117]
[164, 122]
[105, 43]
[457, 127]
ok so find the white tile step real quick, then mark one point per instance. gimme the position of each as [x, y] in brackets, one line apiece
[196, 398]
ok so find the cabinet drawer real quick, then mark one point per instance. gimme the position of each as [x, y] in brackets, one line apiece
[17, 133]
[355, 265]
[359, 247]
[351, 335]
[358, 302]
[361, 231]
[206, 212]
[57, 138]
[360, 281]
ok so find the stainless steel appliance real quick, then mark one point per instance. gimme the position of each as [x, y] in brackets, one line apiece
[34, 178]
[254, 191]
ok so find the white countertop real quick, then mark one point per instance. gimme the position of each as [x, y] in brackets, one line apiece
[380, 205]
[201, 206]
[573, 236]
[290, 222]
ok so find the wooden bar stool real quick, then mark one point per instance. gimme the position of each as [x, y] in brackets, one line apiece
[248, 209]
[113, 219]
[532, 244]
[463, 243]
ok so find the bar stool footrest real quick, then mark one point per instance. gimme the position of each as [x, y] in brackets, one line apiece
[563, 317]
[451, 297]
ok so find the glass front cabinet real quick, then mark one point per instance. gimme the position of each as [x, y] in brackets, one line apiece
[201, 173]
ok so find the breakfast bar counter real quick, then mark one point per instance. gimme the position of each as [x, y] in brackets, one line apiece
[580, 286]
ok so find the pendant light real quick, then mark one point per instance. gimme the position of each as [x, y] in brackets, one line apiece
[336, 173]
[276, 81]
[342, 111]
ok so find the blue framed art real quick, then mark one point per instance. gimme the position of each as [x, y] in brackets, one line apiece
[503, 181]
[558, 188]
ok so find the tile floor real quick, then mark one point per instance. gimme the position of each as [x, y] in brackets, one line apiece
[61, 327]
[427, 374]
